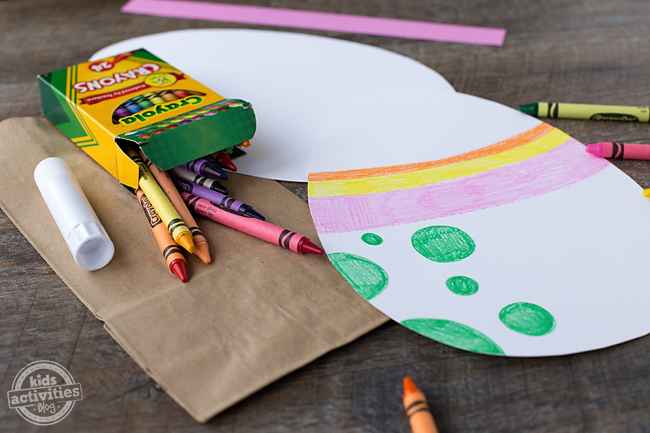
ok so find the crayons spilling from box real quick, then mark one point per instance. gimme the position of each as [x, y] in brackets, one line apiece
[136, 99]
[138, 116]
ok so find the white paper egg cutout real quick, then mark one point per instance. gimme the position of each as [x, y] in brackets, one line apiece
[481, 227]
[296, 83]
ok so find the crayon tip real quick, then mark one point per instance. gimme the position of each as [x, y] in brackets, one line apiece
[185, 240]
[646, 192]
[179, 268]
[409, 386]
[532, 109]
[225, 161]
[251, 212]
[244, 144]
[308, 247]
[215, 173]
[215, 163]
[202, 250]
[595, 149]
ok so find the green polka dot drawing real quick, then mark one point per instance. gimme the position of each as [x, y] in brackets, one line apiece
[454, 334]
[365, 276]
[372, 239]
[443, 244]
[528, 319]
[463, 286]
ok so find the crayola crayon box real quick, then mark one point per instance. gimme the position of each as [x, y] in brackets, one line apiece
[138, 99]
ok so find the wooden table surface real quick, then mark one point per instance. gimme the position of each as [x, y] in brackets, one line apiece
[594, 51]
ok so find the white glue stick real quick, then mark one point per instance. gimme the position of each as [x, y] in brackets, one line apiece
[91, 247]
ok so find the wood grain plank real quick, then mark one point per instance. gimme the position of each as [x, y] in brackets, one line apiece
[561, 50]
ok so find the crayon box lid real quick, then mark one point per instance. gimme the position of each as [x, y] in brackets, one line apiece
[136, 99]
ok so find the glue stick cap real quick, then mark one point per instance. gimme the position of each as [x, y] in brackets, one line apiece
[91, 247]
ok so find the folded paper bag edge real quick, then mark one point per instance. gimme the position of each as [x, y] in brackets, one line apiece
[33, 128]
[205, 416]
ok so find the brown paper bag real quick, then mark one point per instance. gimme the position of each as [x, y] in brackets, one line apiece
[254, 314]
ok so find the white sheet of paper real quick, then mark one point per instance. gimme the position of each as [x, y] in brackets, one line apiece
[296, 83]
[554, 243]
[418, 125]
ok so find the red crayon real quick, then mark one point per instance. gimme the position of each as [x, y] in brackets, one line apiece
[180, 93]
[224, 161]
[250, 225]
[620, 150]
[171, 252]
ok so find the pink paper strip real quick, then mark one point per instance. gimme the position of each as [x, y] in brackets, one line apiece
[318, 21]
[558, 168]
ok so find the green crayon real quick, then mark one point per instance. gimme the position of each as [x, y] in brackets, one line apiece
[561, 110]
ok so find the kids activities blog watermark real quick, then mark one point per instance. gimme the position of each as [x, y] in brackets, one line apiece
[44, 393]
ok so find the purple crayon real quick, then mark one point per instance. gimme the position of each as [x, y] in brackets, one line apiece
[205, 168]
[216, 165]
[121, 111]
[216, 197]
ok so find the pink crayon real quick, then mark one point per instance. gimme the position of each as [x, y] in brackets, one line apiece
[250, 225]
[620, 150]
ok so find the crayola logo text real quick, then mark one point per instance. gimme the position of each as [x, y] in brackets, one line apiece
[615, 117]
[145, 115]
[150, 212]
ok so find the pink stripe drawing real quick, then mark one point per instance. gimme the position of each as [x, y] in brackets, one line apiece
[558, 168]
[318, 21]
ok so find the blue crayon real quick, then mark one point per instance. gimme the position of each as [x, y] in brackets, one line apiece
[133, 107]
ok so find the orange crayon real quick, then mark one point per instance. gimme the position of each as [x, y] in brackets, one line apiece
[244, 144]
[201, 247]
[417, 409]
[171, 252]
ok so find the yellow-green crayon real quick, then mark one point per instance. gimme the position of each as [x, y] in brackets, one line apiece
[172, 220]
[562, 110]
